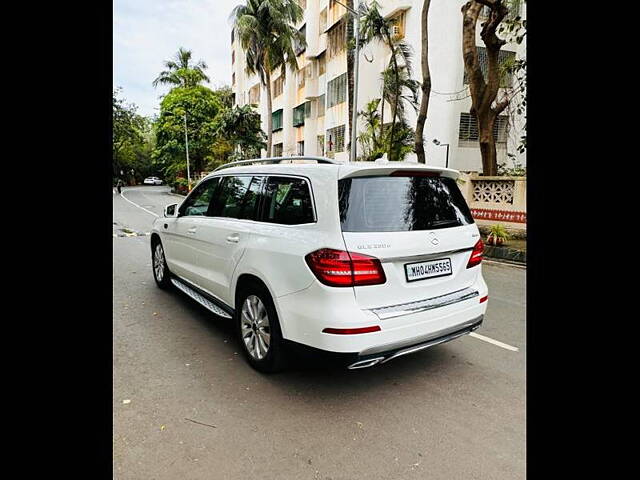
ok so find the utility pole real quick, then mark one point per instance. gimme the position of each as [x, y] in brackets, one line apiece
[354, 119]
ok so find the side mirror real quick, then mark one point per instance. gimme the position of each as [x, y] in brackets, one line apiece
[171, 210]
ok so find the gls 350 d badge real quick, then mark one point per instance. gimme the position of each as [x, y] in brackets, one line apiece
[373, 245]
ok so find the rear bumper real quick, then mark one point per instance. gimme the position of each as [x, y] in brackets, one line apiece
[303, 315]
[364, 360]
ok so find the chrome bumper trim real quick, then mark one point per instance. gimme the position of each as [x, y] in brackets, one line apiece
[452, 334]
[410, 342]
[384, 313]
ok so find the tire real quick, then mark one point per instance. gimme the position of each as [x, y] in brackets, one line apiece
[254, 305]
[161, 273]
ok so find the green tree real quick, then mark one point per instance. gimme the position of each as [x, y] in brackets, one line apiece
[398, 85]
[375, 139]
[180, 72]
[485, 104]
[131, 140]
[240, 127]
[266, 31]
[200, 105]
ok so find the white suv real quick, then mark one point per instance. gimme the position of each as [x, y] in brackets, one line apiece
[367, 261]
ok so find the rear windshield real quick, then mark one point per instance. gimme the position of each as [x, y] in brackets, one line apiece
[399, 204]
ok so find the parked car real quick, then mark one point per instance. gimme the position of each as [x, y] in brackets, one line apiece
[362, 262]
[152, 181]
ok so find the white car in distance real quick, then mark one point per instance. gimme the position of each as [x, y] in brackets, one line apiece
[152, 181]
[362, 262]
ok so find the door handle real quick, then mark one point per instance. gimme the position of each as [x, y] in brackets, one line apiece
[235, 238]
[192, 230]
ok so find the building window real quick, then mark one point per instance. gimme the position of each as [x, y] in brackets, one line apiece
[468, 134]
[233, 57]
[322, 64]
[254, 94]
[335, 141]
[397, 26]
[321, 145]
[321, 100]
[277, 150]
[504, 58]
[336, 39]
[336, 11]
[298, 116]
[232, 34]
[233, 79]
[307, 109]
[337, 90]
[300, 148]
[278, 86]
[299, 47]
[276, 120]
[323, 21]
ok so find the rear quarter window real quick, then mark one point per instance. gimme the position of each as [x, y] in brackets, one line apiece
[287, 201]
[403, 203]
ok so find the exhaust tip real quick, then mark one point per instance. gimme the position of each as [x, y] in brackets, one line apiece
[365, 363]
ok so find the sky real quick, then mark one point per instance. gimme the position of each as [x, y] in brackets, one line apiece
[148, 32]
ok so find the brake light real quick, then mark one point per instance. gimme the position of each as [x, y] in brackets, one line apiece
[484, 299]
[339, 268]
[414, 173]
[476, 254]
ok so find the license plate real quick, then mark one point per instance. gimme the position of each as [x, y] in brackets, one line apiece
[432, 268]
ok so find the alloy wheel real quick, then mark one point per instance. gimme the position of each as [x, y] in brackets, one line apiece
[255, 328]
[158, 262]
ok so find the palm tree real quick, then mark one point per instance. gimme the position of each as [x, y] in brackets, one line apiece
[180, 72]
[397, 78]
[266, 30]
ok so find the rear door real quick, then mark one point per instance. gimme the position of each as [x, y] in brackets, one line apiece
[222, 236]
[419, 226]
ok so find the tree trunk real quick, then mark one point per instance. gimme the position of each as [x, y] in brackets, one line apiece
[484, 93]
[487, 143]
[350, 62]
[269, 114]
[426, 85]
[382, 137]
[396, 95]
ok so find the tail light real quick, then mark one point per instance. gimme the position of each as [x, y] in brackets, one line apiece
[476, 254]
[339, 268]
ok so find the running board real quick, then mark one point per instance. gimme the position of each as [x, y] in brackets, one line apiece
[202, 300]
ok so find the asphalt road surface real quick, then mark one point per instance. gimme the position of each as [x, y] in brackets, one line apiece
[187, 406]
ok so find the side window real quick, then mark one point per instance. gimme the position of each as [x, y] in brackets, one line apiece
[197, 203]
[250, 202]
[287, 201]
[238, 197]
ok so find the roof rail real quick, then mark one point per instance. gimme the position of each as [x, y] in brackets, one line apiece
[277, 160]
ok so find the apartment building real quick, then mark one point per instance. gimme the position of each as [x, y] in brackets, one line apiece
[310, 109]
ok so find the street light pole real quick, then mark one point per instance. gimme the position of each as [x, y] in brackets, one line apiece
[186, 143]
[354, 119]
[437, 142]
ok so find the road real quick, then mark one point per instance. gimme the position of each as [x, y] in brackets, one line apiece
[187, 406]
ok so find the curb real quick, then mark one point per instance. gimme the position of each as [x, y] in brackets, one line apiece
[177, 195]
[511, 255]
